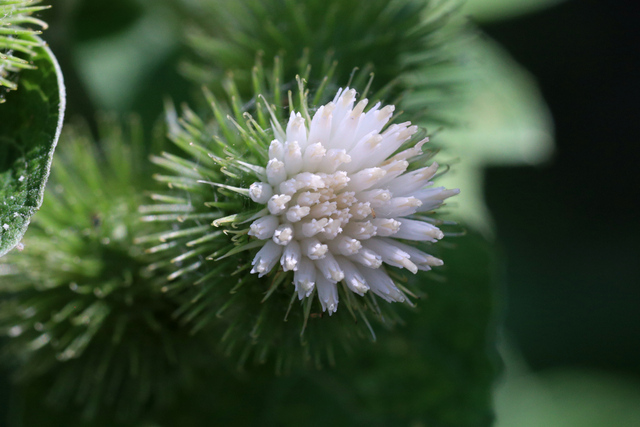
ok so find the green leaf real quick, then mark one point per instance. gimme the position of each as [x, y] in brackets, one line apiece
[501, 120]
[493, 10]
[30, 124]
[115, 16]
[114, 67]
[564, 397]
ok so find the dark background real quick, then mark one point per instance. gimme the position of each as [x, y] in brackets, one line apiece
[570, 229]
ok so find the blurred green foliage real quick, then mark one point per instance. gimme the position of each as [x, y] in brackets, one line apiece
[115, 16]
[564, 397]
[493, 10]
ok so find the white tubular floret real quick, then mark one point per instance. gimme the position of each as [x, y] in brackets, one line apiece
[311, 227]
[283, 234]
[304, 277]
[329, 268]
[423, 260]
[385, 227]
[266, 258]
[411, 229]
[260, 192]
[297, 212]
[296, 130]
[313, 155]
[399, 206]
[327, 293]
[263, 228]
[367, 257]
[278, 203]
[412, 181]
[292, 157]
[276, 150]
[365, 179]
[333, 159]
[433, 198]
[320, 130]
[353, 278]
[345, 245]
[391, 255]
[377, 198]
[313, 249]
[291, 256]
[276, 172]
[360, 230]
[381, 284]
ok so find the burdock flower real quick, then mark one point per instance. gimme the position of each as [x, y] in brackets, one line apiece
[339, 200]
[332, 201]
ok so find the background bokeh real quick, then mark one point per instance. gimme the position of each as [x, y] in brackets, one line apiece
[569, 228]
[565, 229]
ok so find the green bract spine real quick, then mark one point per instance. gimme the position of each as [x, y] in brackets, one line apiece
[16, 47]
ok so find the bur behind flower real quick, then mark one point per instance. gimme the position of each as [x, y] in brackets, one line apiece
[86, 323]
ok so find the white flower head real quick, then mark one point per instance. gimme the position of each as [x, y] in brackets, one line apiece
[339, 199]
